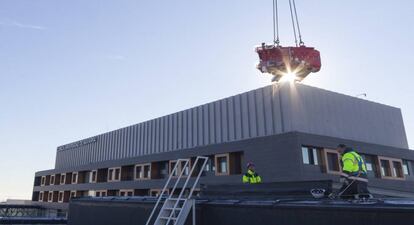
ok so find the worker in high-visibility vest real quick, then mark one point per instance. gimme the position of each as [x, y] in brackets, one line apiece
[251, 177]
[354, 173]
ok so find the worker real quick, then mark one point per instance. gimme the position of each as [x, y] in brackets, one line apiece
[251, 177]
[354, 173]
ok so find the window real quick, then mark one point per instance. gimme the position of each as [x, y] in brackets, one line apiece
[385, 168]
[397, 169]
[50, 196]
[52, 179]
[210, 165]
[172, 166]
[332, 161]
[41, 196]
[222, 163]
[310, 155]
[72, 194]
[102, 193]
[93, 176]
[391, 168]
[62, 178]
[74, 177]
[157, 192]
[60, 197]
[43, 181]
[406, 168]
[114, 174]
[142, 171]
[180, 168]
[126, 193]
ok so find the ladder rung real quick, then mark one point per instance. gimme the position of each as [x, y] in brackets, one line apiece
[176, 199]
[172, 208]
[166, 218]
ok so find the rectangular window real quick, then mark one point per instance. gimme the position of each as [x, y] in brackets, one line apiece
[52, 179]
[172, 166]
[222, 163]
[385, 168]
[93, 176]
[41, 196]
[391, 168]
[310, 155]
[62, 178]
[186, 169]
[72, 194]
[397, 169]
[74, 177]
[60, 196]
[50, 197]
[142, 171]
[114, 174]
[157, 192]
[406, 168]
[305, 155]
[126, 193]
[117, 174]
[332, 161]
[101, 193]
[43, 181]
[210, 166]
[180, 167]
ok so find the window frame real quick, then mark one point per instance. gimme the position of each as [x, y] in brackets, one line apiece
[112, 174]
[101, 192]
[327, 151]
[126, 191]
[61, 196]
[312, 159]
[41, 196]
[158, 192]
[407, 164]
[179, 168]
[91, 178]
[62, 179]
[76, 176]
[50, 196]
[142, 172]
[216, 157]
[391, 167]
[52, 180]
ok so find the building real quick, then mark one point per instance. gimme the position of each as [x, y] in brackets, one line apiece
[288, 130]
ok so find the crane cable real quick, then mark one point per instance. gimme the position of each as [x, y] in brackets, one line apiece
[276, 40]
[295, 17]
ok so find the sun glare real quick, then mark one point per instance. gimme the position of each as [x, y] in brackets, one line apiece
[288, 77]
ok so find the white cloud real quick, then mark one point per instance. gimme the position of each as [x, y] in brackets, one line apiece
[21, 25]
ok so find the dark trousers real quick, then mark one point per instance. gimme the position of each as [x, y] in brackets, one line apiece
[354, 187]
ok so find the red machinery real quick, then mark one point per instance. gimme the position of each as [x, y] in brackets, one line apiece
[279, 61]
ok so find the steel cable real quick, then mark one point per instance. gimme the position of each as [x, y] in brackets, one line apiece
[275, 23]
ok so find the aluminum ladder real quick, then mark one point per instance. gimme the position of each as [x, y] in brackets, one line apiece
[175, 209]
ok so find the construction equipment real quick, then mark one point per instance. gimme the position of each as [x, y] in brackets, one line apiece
[176, 209]
[297, 61]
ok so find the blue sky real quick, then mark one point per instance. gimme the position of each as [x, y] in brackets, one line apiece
[74, 69]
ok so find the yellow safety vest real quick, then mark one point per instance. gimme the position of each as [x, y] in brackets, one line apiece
[251, 177]
[353, 163]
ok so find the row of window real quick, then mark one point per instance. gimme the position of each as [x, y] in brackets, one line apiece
[220, 164]
[377, 166]
[65, 196]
